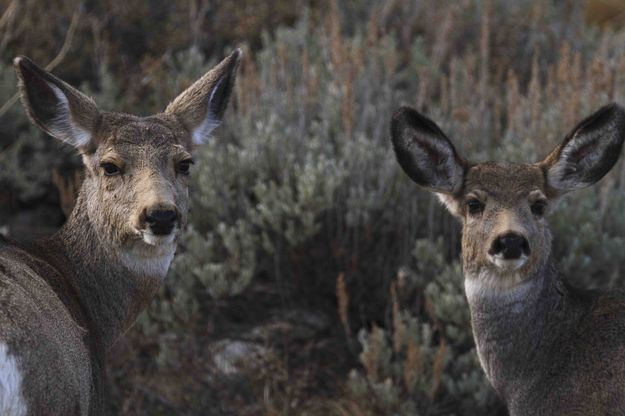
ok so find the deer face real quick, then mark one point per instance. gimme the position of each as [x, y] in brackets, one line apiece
[136, 168]
[506, 238]
[502, 208]
[136, 179]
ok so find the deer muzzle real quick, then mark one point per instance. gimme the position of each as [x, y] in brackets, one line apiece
[161, 219]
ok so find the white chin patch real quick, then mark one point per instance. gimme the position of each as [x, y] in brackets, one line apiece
[151, 255]
[158, 240]
[508, 265]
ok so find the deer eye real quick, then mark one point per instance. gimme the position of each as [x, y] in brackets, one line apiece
[184, 166]
[110, 169]
[474, 206]
[538, 208]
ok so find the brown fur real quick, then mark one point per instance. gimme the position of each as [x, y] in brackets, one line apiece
[507, 190]
[66, 299]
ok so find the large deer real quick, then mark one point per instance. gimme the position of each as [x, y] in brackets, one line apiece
[546, 347]
[64, 300]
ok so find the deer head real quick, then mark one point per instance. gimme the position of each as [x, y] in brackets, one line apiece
[502, 206]
[136, 168]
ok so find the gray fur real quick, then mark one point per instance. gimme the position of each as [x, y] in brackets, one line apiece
[547, 348]
[65, 300]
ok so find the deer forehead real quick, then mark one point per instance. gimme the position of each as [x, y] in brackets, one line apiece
[506, 182]
[158, 130]
[149, 138]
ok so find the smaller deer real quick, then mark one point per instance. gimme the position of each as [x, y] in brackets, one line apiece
[65, 300]
[546, 347]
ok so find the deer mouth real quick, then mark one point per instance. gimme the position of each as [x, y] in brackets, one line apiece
[508, 264]
[151, 239]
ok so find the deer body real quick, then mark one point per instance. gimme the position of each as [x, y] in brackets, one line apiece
[551, 349]
[546, 347]
[65, 300]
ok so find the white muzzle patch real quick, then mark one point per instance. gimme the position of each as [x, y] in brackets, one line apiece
[508, 265]
[158, 240]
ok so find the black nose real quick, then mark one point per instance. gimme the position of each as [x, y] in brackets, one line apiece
[161, 221]
[510, 246]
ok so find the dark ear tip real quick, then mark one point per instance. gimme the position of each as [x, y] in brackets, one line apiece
[21, 62]
[612, 110]
[617, 110]
[408, 117]
[237, 54]
[610, 113]
[401, 117]
[404, 112]
[24, 65]
[614, 106]
[234, 59]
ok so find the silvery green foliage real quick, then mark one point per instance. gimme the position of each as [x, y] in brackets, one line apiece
[218, 276]
[413, 386]
[287, 172]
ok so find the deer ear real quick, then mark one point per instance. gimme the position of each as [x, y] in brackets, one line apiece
[201, 106]
[58, 108]
[425, 153]
[588, 152]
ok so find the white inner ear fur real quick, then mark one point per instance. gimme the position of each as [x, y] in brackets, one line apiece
[211, 122]
[450, 203]
[62, 127]
[453, 172]
[564, 163]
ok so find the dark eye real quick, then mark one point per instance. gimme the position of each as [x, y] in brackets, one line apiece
[474, 206]
[184, 166]
[538, 208]
[110, 169]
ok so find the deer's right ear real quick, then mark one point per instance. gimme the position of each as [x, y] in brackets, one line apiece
[201, 106]
[55, 106]
[426, 154]
[588, 152]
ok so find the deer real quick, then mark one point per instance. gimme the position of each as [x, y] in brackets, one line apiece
[545, 346]
[65, 299]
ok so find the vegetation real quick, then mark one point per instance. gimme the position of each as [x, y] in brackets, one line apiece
[315, 278]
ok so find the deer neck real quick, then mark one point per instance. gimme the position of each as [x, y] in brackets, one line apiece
[511, 326]
[112, 286]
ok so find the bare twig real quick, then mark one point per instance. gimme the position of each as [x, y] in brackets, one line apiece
[7, 20]
[69, 36]
[8, 14]
[197, 14]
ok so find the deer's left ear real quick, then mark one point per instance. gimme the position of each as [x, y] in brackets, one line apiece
[201, 106]
[58, 108]
[588, 152]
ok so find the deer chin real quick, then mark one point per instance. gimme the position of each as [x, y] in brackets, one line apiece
[498, 275]
[491, 281]
[150, 254]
